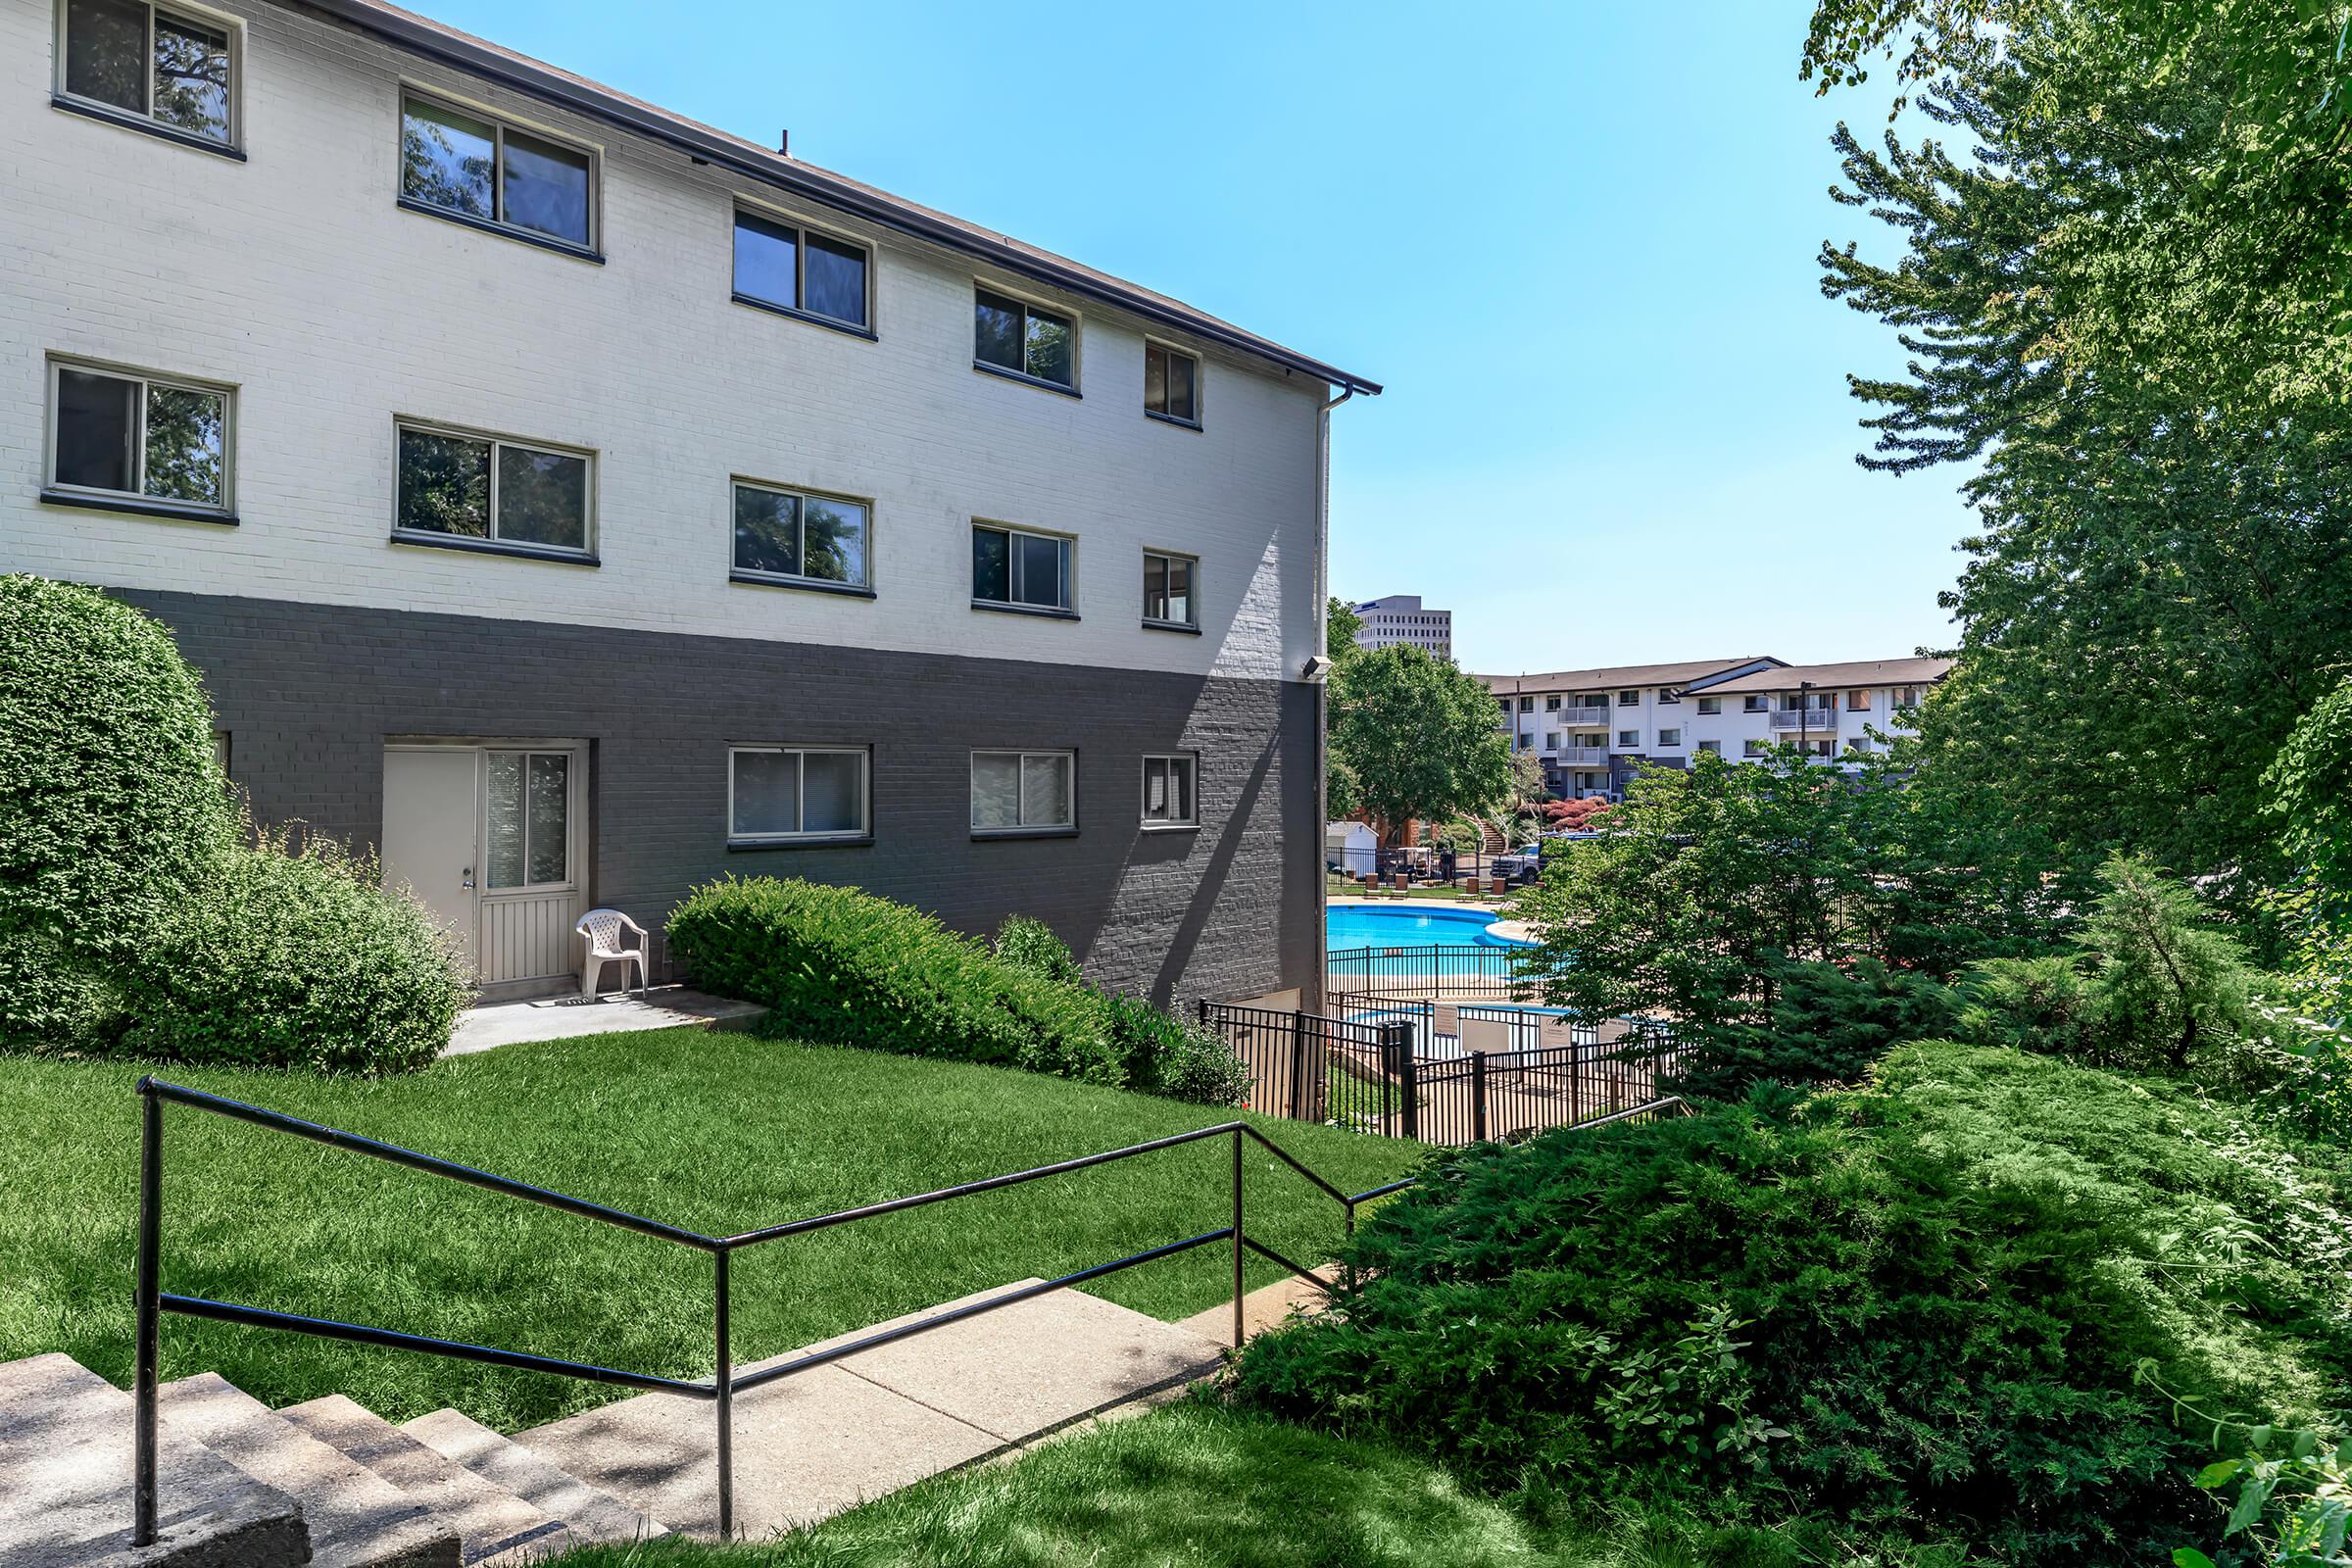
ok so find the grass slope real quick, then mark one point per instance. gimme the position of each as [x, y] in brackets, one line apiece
[713, 1131]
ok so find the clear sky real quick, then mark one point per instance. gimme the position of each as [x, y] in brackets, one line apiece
[1575, 240]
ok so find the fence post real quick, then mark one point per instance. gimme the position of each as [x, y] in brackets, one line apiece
[724, 1381]
[1478, 1097]
[149, 1314]
[1298, 1099]
[1398, 1065]
[1237, 1240]
[1203, 1006]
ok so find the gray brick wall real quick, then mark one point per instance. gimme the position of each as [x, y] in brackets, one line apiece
[309, 693]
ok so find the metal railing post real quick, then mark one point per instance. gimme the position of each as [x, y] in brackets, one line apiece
[1478, 1097]
[1299, 1094]
[1408, 1090]
[149, 1311]
[724, 1382]
[1237, 1239]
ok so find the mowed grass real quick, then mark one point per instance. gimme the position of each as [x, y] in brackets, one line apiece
[713, 1131]
[1189, 1487]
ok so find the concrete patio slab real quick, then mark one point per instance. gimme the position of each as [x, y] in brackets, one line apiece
[510, 1023]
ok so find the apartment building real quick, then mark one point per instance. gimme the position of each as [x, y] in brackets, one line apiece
[1830, 710]
[1400, 619]
[1593, 729]
[577, 502]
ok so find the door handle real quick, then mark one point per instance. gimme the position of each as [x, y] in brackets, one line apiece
[468, 875]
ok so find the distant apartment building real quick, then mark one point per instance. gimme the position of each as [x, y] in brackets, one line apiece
[1595, 729]
[1399, 618]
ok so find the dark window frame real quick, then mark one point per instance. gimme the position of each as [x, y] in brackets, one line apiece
[1192, 594]
[999, 299]
[137, 498]
[232, 31]
[1027, 830]
[590, 248]
[1067, 607]
[864, 587]
[491, 543]
[1164, 415]
[796, 309]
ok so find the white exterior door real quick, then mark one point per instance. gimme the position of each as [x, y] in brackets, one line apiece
[490, 836]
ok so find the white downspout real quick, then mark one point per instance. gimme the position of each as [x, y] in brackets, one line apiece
[1313, 996]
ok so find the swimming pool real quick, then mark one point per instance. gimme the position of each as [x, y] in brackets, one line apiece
[1371, 926]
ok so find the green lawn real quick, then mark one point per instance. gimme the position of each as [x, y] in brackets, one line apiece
[713, 1131]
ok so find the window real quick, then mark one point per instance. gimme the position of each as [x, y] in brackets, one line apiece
[1906, 696]
[1754, 748]
[166, 68]
[1024, 792]
[1527, 704]
[1596, 707]
[529, 804]
[1857, 743]
[1020, 339]
[1168, 799]
[486, 492]
[1670, 737]
[1757, 704]
[1012, 567]
[1168, 590]
[1858, 702]
[799, 536]
[1551, 740]
[1628, 699]
[1669, 697]
[801, 271]
[116, 433]
[463, 166]
[1715, 747]
[1552, 705]
[1710, 705]
[1629, 737]
[777, 794]
[1171, 384]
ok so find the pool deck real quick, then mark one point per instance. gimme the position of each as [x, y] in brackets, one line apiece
[1510, 930]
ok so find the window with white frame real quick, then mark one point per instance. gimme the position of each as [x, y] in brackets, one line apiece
[802, 271]
[1168, 790]
[1022, 339]
[1024, 792]
[481, 491]
[1168, 589]
[461, 163]
[1017, 568]
[1171, 384]
[1670, 737]
[1710, 705]
[786, 535]
[783, 794]
[140, 437]
[171, 68]
[526, 831]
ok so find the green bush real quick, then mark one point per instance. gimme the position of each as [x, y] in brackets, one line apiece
[112, 804]
[292, 956]
[840, 966]
[2027, 1004]
[1827, 1024]
[1028, 943]
[1175, 1056]
[1917, 1306]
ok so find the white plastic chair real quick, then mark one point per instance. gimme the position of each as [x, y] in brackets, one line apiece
[603, 928]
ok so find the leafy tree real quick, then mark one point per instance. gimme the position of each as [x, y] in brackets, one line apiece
[2125, 304]
[1341, 624]
[1416, 737]
[2160, 975]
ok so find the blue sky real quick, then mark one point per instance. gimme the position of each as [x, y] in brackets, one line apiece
[1576, 241]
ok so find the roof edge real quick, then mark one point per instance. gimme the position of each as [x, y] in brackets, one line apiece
[465, 54]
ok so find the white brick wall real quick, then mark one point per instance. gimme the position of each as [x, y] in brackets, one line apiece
[295, 278]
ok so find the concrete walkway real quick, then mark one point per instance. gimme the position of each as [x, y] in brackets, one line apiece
[507, 1023]
[822, 1441]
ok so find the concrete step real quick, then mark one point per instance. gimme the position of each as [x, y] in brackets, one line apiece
[1269, 1306]
[358, 1519]
[494, 1526]
[65, 1485]
[821, 1441]
[586, 1512]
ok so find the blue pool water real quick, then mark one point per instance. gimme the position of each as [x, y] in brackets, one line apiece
[1365, 925]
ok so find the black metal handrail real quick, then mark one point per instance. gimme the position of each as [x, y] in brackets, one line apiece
[724, 1383]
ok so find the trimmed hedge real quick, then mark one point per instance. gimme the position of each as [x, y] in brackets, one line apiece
[295, 958]
[840, 966]
[112, 804]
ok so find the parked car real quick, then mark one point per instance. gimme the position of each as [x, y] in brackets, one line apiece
[1522, 864]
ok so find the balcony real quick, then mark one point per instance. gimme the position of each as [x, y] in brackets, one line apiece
[1582, 755]
[1824, 720]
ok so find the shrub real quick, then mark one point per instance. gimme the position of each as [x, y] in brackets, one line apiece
[112, 804]
[2028, 1005]
[1028, 943]
[1175, 1056]
[1827, 1024]
[291, 956]
[1939, 1287]
[2162, 980]
[840, 966]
